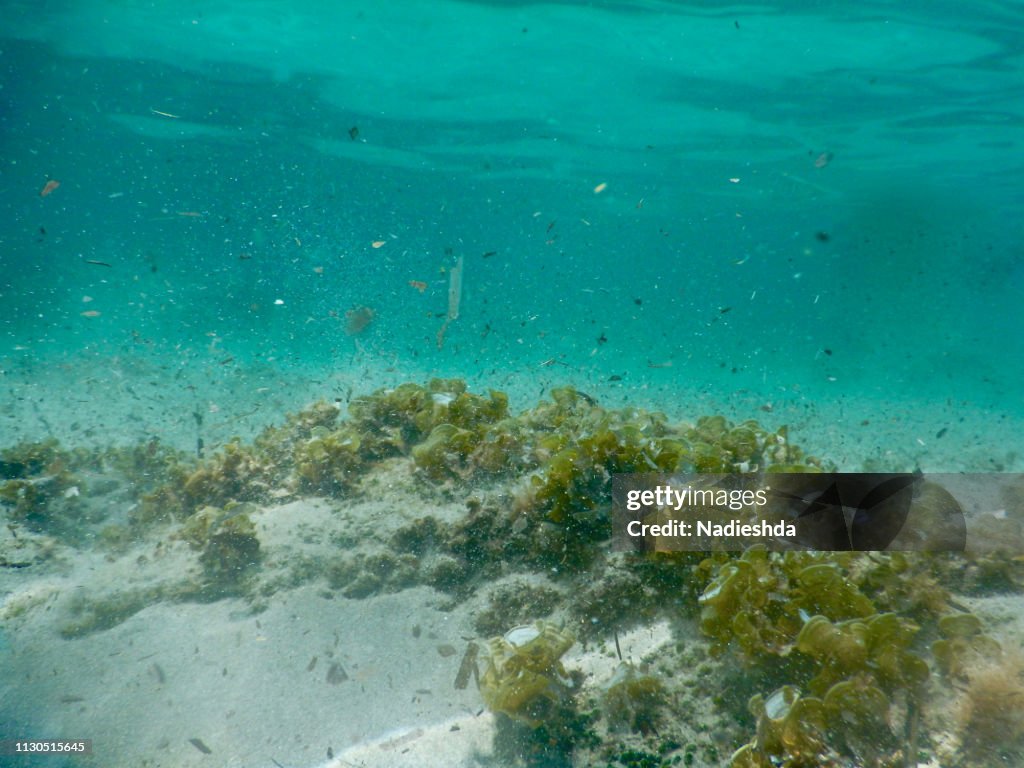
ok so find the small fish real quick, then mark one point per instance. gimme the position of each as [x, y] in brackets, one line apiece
[50, 186]
[419, 285]
[198, 744]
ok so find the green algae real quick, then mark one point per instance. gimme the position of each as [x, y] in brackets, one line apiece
[31, 458]
[853, 669]
[328, 463]
[523, 674]
[799, 731]
[963, 645]
[41, 485]
[758, 601]
[877, 647]
[230, 553]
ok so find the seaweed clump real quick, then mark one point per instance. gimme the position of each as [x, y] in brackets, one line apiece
[578, 446]
[758, 603]
[991, 715]
[260, 472]
[524, 673]
[853, 668]
[329, 463]
[228, 545]
[230, 554]
[394, 421]
[38, 485]
[800, 731]
[525, 685]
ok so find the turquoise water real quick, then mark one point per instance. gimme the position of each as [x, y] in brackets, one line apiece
[794, 192]
[214, 213]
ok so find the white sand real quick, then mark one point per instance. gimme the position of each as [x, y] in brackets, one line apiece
[244, 683]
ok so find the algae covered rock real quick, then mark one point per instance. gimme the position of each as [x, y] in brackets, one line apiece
[231, 551]
[31, 459]
[329, 463]
[533, 697]
[523, 675]
[236, 473]
[441, 425]
[759, 602]
[800, 731]
[444, 451]
[877, 647]
[39, 486]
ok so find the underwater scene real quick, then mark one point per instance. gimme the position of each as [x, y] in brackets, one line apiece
[335, 333]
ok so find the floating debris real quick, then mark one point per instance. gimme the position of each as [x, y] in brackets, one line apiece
[357, 319]
[336, 674]
[454, 299]
[402, 740]
[467, 667]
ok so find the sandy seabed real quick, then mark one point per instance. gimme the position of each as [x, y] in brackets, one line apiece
[294, 673]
